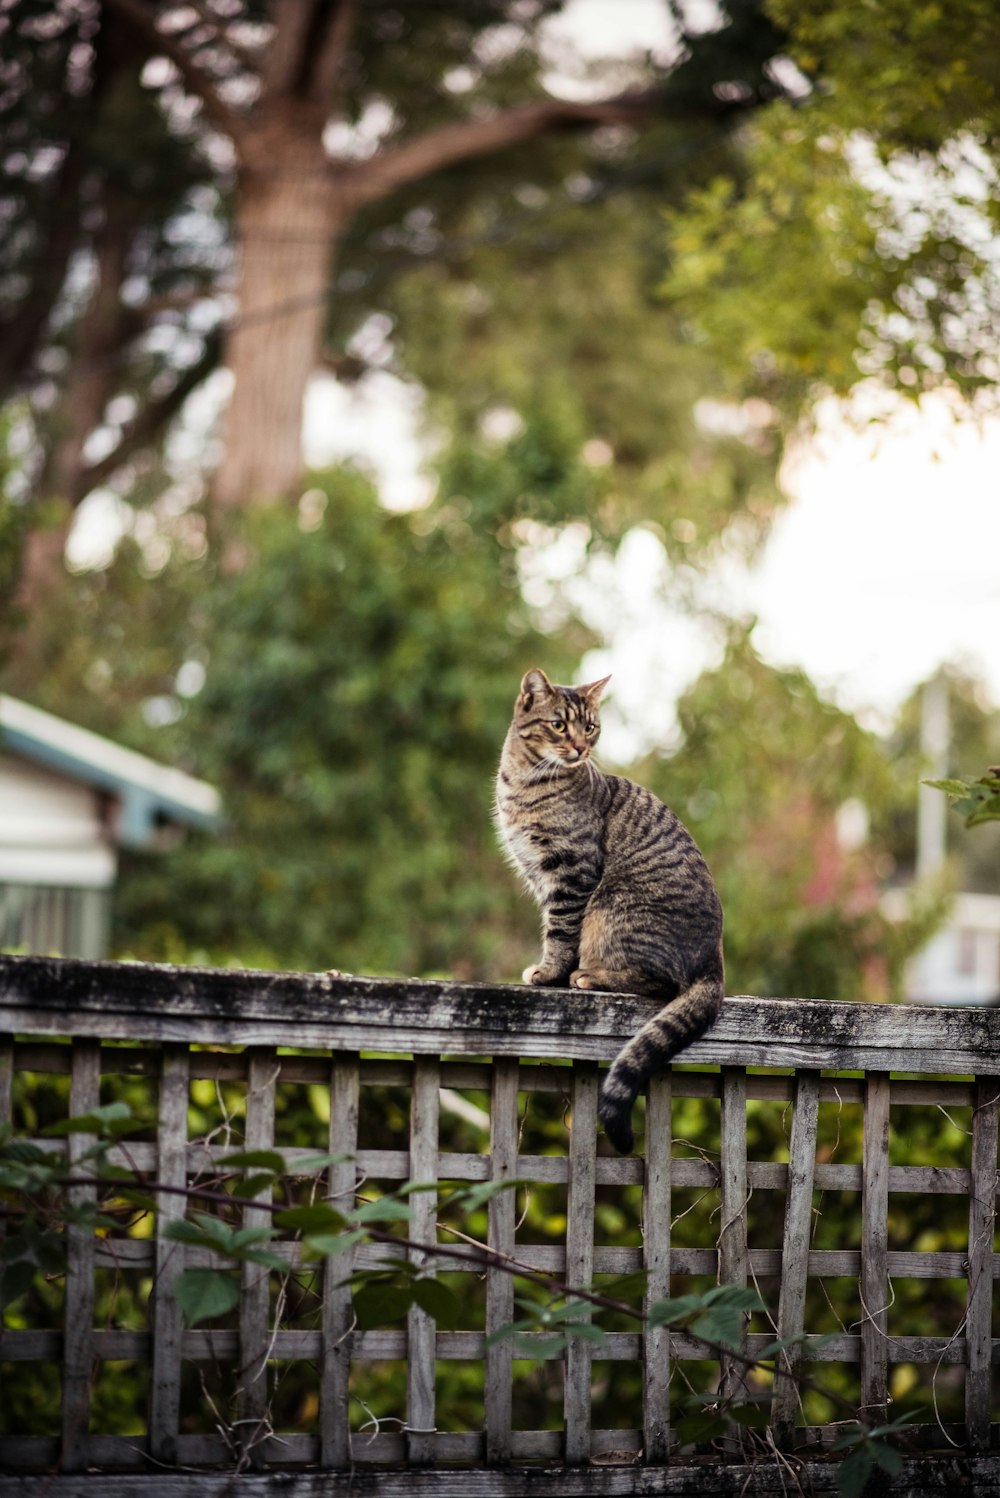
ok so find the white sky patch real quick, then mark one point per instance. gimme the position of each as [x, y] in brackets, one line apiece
[592, 31]
[610, 28]
[98, 526]
[884, 565]
[377, 423]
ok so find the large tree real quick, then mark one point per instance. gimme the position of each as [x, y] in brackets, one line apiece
[190, 178]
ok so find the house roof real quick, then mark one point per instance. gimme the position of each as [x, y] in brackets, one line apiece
[149, 793]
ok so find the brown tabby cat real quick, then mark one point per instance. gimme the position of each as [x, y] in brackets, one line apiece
[628, 904]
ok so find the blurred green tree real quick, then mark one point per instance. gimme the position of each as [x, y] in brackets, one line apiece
[857, 243]
[782, 791]
[346, 676]
[358, 686]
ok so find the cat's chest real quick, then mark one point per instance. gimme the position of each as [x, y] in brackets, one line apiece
[520, 845]
[538, 840]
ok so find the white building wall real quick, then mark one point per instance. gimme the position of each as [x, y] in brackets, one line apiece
[961, 964]
[52, 829]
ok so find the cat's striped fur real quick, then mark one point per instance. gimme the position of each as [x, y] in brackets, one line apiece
[628, 904]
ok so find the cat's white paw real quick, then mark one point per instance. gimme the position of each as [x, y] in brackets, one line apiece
[540, 976]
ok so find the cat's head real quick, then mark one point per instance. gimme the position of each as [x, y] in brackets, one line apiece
[559, 725]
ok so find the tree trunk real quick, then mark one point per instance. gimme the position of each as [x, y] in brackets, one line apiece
[95, 371]
[289, 218]
[42, 567]
[92, 381]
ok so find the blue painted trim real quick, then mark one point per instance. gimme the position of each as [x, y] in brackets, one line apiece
[141, 807]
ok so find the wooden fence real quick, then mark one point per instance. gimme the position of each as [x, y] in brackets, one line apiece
[399, 1070]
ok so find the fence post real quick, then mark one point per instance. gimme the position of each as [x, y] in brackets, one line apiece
[874, 1249]
[500, 1284]
[78, 1341]
[580, 1255]
[168, 1328]
[255, 1297]
[6, 1117]
[733, 1231]
[795, 1248]
[421, 1327]
[982, 1225]
[656, 1262]
[337, 1315]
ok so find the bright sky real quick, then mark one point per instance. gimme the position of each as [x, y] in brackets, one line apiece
[882, 567]
[885, 564]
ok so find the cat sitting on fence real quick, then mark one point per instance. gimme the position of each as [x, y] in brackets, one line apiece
[628, 904]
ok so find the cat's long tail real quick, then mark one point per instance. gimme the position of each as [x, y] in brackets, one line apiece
[678, 1023]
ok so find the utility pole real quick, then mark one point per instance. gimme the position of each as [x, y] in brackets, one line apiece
[932, 806]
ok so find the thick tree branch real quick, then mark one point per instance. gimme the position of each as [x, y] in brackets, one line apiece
[151, 420]
[326, 82]
[21, 332]
[142, 22]
[285, 57]
[465, 141]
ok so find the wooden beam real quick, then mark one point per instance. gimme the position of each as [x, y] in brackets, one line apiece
[138, 1001]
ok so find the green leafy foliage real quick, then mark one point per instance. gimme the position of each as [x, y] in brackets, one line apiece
[737, 254]
[718, 1316]
[359, 675]
[973, 863]
[449, 261]
[762, 771]
[868, 1451]
[34, 1182]
[977, 801]
[203, 1294]
[819, 265]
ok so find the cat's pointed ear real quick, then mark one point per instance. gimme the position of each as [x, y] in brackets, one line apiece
[534, 684]
[592, 691]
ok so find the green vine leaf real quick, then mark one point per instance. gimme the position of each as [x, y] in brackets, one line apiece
[112, 1119]
[329, 1245]
[269, 1160]
[376, 1304]
[319, 1218]
[386, 1209]
[977, 801]
[438, 1301]
[203, 1294]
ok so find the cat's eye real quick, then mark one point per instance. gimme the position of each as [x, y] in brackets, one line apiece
[559, 725]
[591, 727]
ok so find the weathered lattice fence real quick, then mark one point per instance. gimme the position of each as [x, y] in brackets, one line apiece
[161, 1030]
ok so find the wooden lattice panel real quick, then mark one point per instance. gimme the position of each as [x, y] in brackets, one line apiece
[156, 1029]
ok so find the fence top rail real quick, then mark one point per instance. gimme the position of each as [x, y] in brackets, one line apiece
[143, 1002]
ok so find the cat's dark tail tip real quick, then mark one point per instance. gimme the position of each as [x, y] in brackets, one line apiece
[616, 1116]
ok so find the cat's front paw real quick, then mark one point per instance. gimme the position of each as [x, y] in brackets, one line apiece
[591, 978]
[541, 976]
